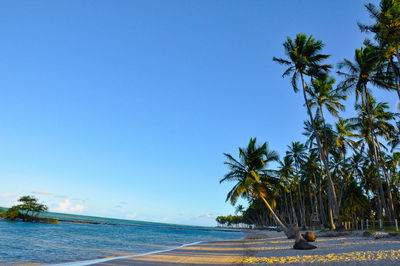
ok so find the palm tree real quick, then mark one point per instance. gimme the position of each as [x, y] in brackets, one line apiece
[286, 172]
[322, 94]
[250, 175]
[363, 71]
[345, 134]
[380, 119]
[309, 171]
[304, 59]
[354, 201]
[297, 153]
[387, 34]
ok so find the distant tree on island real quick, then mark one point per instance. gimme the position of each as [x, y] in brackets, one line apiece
[28, 211]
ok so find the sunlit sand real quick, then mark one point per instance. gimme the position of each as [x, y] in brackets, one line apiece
[277, 249]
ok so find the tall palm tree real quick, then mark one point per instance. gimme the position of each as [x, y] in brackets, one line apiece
[323, 95]
[251, 175]
[297, 152]
[386, 30]
[360, 73]
[310, 170]
[345, 134]
[287, 172]
[304, 59]
[382, 127]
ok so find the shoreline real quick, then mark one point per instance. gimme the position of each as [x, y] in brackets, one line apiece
[269, 247]
[108, 260]
[219, 229]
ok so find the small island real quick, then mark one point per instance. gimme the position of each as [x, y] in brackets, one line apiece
[28, 211]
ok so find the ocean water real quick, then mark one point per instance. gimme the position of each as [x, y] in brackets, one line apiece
[22, 243]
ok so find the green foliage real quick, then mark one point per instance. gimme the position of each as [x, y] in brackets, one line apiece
[28, 211]
[348, 168]
[12, 213]
[30, 207]
[229, 220]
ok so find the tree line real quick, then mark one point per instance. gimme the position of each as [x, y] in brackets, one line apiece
[345, 170]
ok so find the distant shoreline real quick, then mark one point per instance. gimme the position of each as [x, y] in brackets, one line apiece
[137, 225]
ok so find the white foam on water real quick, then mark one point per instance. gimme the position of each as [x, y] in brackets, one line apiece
[90, 262]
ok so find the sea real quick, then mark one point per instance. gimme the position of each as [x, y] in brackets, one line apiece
[26, 243]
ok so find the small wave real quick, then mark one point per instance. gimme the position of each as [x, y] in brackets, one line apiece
[90, 262]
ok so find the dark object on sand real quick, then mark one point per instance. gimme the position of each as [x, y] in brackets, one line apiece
[303, 244]
[291, 232]
[366, 234]
[309, 236]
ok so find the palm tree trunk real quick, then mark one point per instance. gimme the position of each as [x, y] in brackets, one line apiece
[397, 74]
[321, 203]
[301, 201]
[385, 173]
[375, 153]
[274, 216]
[396, 77]
[325, 135]
[316, 201]
[287, 208]
[293, 211]
[331, 187]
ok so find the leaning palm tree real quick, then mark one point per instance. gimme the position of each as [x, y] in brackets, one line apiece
[304, 59]
[251, 175]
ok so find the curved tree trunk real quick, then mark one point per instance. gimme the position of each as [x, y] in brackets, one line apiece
[276, 218]
[331, 187]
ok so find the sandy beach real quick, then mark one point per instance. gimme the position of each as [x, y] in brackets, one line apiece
[274, 248]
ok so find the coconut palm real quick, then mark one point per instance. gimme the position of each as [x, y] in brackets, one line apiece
[287, 173]
[376, 115]
[322, 94]
[386, 30]
[304, 59]
[344, 130]
[360, 73]
[297, 152]
[310, 170]
[251, 175]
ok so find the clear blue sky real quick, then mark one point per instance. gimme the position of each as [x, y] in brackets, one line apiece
[124, 108]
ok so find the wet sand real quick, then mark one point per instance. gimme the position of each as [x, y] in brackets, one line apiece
[274, 248]
[210, 253]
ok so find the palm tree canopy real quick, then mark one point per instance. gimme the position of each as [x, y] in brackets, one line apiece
[387, 20]
[323, 94]
[362, 71]
[345, 134]
[250, 172]
[303, 57]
